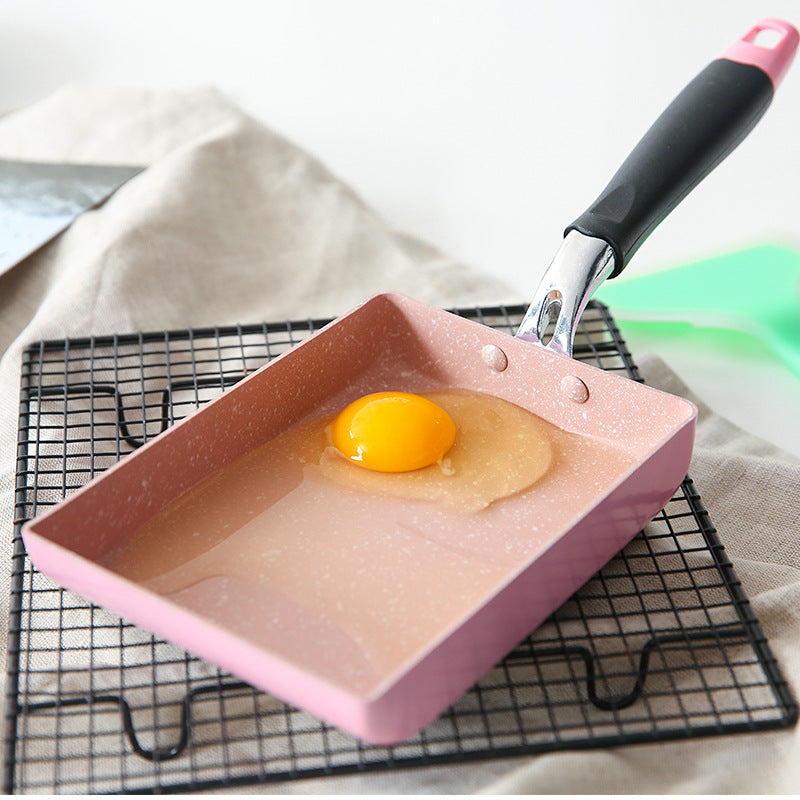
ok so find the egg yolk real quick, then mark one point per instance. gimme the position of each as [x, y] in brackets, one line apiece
[393, 432]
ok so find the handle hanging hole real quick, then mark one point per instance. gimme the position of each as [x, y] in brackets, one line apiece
[767, 38]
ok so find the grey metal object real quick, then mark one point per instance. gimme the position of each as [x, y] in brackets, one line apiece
[39, 200]
[581, 264]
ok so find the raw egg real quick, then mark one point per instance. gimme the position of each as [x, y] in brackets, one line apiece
[494, 448]
[393, 432]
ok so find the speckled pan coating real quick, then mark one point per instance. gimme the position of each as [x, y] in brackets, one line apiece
[390, 342]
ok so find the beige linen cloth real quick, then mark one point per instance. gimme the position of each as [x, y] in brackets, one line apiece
[231, 223]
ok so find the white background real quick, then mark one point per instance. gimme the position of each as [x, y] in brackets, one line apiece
[482, 127]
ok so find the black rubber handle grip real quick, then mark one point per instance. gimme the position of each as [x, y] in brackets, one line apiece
[701, 126]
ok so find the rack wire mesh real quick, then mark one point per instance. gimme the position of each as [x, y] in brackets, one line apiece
[661, 644]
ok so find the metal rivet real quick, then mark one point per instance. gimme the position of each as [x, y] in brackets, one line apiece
[494, 357]
[575, 389]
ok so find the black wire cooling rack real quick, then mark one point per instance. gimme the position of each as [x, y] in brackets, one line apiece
[661, 644]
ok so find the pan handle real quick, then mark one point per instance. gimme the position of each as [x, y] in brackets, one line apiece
[702, 126]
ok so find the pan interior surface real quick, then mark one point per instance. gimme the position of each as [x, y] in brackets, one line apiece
[298, 550]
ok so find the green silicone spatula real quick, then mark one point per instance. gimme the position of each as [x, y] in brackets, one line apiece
[756, 291]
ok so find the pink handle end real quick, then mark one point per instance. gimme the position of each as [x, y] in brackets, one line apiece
[773, 58]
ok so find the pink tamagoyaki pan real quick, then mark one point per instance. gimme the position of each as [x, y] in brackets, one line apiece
[385, 611]
[375, 612]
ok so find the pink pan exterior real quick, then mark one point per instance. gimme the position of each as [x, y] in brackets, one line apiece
[387, 341]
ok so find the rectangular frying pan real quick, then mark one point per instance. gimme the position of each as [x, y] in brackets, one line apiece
[372, 617]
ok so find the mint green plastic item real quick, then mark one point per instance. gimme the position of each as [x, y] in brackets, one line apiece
[756, 291]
